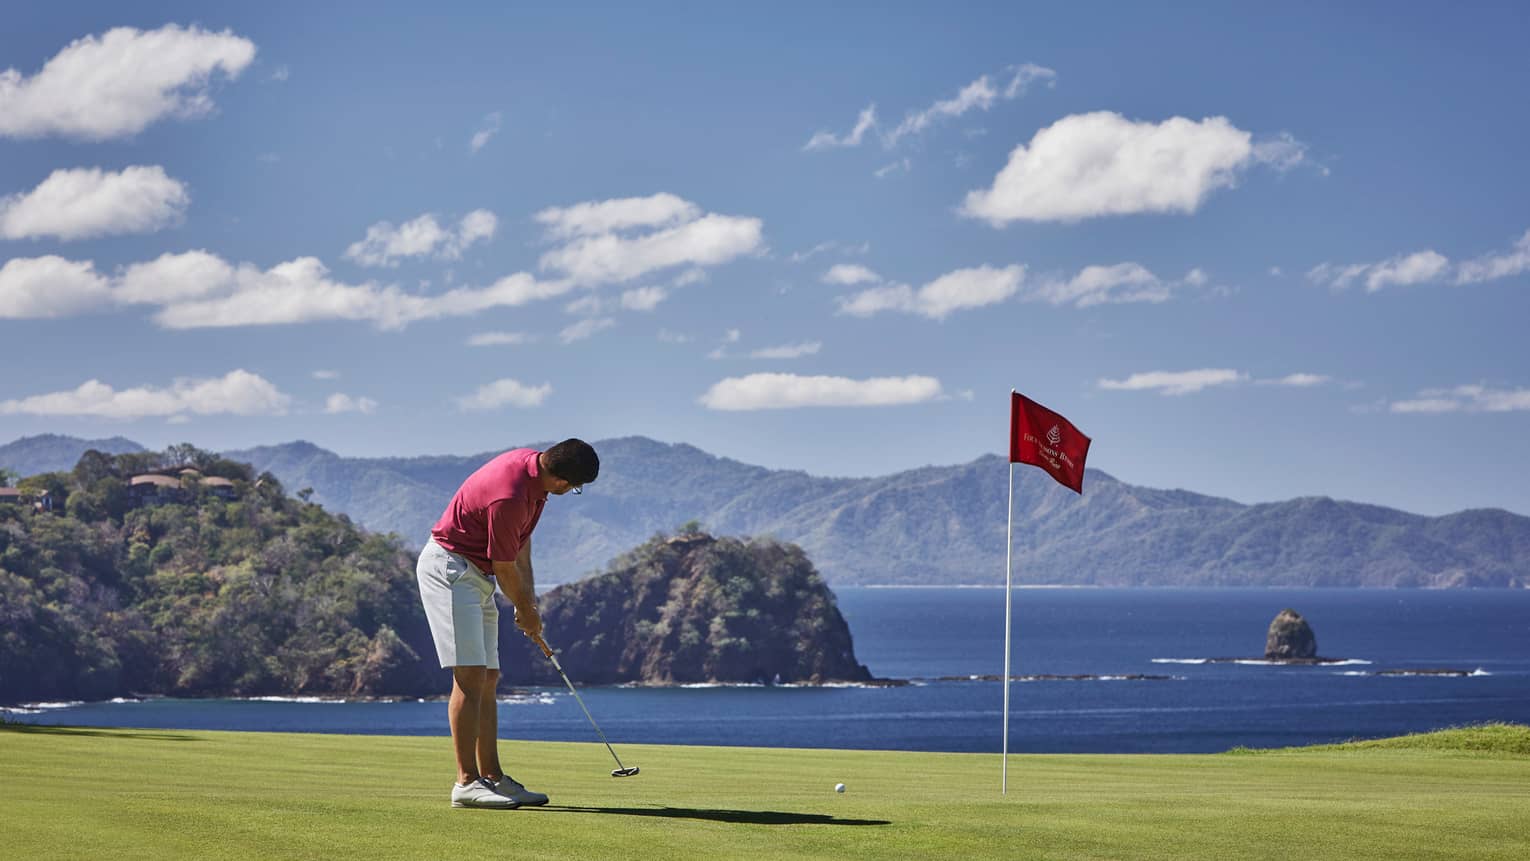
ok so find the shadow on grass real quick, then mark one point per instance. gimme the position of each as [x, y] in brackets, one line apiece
[84, 732]
[747, 817]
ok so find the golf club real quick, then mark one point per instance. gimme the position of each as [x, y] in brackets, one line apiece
[620, 770]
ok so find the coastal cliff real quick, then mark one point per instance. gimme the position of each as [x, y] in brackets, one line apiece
[688, 609]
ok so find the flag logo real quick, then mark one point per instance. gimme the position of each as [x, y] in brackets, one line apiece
[1060, 450]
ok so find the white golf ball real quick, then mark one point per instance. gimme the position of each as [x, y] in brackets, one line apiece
[839, 787]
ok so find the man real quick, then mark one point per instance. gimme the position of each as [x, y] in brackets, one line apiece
[484, 539]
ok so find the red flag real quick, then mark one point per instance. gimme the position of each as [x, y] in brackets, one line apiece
[1040, 437]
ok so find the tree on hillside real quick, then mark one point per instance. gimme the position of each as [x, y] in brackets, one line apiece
[252, 595]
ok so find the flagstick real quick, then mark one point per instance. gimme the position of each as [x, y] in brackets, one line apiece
[1009, 542]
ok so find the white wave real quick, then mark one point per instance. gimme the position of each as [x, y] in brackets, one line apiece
[528, 700]
[1348, 661]
[725, 685]
[44, 706]
[1181, 660]
[1259, 662]
[20, 710]
[1480, 672]
[323, 700]
[120, 700]
[1352, 673]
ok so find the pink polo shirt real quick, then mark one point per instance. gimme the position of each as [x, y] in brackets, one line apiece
[491, 516]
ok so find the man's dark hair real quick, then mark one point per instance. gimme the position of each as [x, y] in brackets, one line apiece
[574, 461]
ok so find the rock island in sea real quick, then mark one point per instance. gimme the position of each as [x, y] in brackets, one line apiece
[692, 609]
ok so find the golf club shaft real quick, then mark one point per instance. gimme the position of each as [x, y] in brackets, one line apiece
[580, 701]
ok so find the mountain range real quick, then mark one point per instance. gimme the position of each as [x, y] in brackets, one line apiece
[936, 525]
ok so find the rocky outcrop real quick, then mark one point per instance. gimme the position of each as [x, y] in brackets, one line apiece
[692, 609]
[1290, 638]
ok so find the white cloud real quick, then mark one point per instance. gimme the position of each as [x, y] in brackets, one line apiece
[788, 351]
[297, 291]
[506, 392]
[831, 245]
[1474, 398]
[585, 329]
[788, 391]
[643, 298]
[1493, 266]
[731, 336]
[903, 165]
[199, 290]
[1422, 267]
[981, 94]
[477, 226]
[1175, 383]
[690, 276]
[864, 123]
[1417, 268]
[343, 403]
[668, 337]
[709, 240]
[489, 129]
[595, 218]
[848, 274]
[893, 297]
[50, 286]
[1300, 381]
[281, 73]
[386, 245]
[1100, 285]
[500, 339]
[586, 306]
[1427, 405]
[172, 278]
[84, 202]
[118, 83]
[1282, 152]
[326, 375]
[954, 291]
[1098, 164]
[236, 393]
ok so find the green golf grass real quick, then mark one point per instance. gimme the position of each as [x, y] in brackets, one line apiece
[165, 794]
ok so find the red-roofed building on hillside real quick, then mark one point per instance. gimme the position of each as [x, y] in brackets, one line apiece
[156, 488]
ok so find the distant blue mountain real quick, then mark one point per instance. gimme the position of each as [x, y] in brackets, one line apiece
[53, 453]
[937, 525]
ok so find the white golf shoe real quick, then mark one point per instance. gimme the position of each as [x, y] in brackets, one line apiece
[511, 788]
[481, 793]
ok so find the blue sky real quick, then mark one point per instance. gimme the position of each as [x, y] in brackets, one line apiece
[1257, 254]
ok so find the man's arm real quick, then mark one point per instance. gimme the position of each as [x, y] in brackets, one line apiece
[518, 583]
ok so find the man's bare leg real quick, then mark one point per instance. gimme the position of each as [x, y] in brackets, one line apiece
[488, 728]
[463, 710]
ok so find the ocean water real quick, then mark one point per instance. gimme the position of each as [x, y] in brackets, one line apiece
[931, 635]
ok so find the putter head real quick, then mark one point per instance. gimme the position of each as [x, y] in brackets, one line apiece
[624, 772]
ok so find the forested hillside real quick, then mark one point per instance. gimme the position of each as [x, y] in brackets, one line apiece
[198, 586]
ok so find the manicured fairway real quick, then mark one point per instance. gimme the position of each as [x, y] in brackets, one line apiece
[91, 793]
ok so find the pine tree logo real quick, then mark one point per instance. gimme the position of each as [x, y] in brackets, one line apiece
[1054, 436]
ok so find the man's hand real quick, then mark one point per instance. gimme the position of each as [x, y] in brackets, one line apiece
[529, 620]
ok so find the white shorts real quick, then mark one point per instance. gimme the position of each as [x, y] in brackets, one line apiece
[459, 604]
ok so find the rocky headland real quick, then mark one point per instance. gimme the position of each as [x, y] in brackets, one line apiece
[692, 609]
